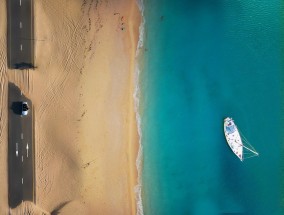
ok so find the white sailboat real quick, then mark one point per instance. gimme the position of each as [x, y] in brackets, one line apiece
[241, 148]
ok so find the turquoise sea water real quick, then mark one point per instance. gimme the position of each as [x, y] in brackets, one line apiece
[205, 60]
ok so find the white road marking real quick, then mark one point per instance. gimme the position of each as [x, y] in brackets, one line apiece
[21, 47]
[20, 2]
[17, 152]
[22, 180]
[22, 136]
[22, 158]
[27, 150]
[21, 25]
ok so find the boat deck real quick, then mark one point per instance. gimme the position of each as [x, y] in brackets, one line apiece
[233, 137]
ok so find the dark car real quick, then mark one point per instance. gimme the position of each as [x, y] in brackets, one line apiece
[25, 108]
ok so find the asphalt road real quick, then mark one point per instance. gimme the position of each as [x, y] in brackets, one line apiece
[20, 149]
[20, 34]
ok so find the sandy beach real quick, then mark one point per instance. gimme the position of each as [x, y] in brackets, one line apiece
[86, 138]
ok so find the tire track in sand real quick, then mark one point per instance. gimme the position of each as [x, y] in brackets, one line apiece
[68, 48]
[69, 39]
[57, 86]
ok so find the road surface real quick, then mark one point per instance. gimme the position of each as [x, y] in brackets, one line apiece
[20, 39]
[20, 149]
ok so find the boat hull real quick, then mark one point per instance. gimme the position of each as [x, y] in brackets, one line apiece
[233, 137]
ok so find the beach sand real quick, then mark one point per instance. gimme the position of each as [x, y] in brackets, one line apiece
[86, 138]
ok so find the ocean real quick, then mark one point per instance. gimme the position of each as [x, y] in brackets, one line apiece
[201, 61]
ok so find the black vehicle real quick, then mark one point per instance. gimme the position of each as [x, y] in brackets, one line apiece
[25, 108]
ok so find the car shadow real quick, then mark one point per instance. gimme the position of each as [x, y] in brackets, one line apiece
[56, 211]
[17, 107]
[23, 66]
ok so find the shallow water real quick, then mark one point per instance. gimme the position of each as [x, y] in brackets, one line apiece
[205, 60]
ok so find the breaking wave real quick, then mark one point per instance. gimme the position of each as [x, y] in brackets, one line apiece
[136, 95]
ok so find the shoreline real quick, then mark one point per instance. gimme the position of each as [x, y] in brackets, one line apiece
[136, 98]
[134, 125]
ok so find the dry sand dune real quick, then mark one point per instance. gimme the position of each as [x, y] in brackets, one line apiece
[28, 208]
[85, 129]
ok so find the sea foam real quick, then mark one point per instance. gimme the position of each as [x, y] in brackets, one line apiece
[136, 96]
